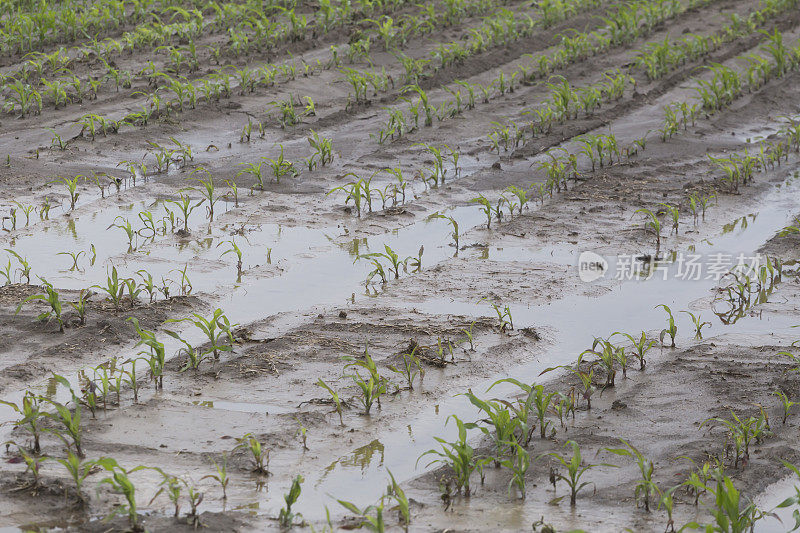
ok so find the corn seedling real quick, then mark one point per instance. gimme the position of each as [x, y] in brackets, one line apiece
[114, 287]
[518, 463]
[30, 413]
[24, 266]
[785, 403]
[72, 189]
[186, 207]
[500, 419]
[69, 419]
[641, 345]
[410, 369]
[234, 249]
[194, 355]
[645, 488]
[33, 463]
[221, 476]
[155, 357]
[730, 511]
[576, 468]
[286, 517]
[120, 481]
[207, 191]
[652, 224]
[50, 297]
[78, 471]
[458, 455]
[216, 328]
[699, 324]
[259, 454]
[503, 315]
[373, 387]
[335, 399]
[671, 329]
[373, 523]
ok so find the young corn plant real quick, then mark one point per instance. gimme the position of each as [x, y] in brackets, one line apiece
[234, 249]
[194, 355]
[30, 413]
[403, 507]
[33, 463]
[373, 386]
[730, 510]
[518, 463]
[51, 298]
[373, 523]
[653, 225]
[641, 346]
[69, 419]
[221, 476]
[646, 490]
[576, 468]
[671, 329]
[155, 357]
[207, 191]
[217, 328]
[699, 324]
[120, 481]
[410, 369]
[78, 471]
[335, 399]
[458, 455]
[260, 455]
[286, 517]
[501, 426]
[114, 287]
[454, 224]
[72, 189]
[786, 404]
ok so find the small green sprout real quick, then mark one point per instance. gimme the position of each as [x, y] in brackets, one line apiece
[671, 329]
[576, 468]
[697, 320]
[286, 517]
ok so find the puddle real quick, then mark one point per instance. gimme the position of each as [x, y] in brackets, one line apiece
[773, 496]
[328, 276]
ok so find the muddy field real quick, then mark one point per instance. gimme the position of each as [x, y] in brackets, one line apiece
[333, 265]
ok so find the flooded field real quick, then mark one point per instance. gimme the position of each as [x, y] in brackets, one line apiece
[464, 265]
